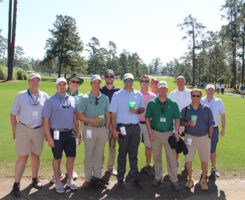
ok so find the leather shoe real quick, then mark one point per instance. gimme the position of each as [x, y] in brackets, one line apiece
[120, 184]
[138, 183]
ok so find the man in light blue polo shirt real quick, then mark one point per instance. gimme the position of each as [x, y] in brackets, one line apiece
[126, 105]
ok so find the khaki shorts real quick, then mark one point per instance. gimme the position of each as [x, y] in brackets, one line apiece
[28, 140]
[144, 134]
[202, 144]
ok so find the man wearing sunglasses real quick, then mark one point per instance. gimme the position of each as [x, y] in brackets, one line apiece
[126, 105]
[109, 89]
[28, 131]
[93, 110]
[198, 121]
[147, 96]
[59, 117]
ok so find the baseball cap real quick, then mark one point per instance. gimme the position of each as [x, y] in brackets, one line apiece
[210, 86]
[61, 79]
[74, 75]
[95, 77]
[128, 75]
[154, 79]
[34, 75]
[162, 84]
[109, 71]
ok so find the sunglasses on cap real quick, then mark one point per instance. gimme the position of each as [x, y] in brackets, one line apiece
[109, 76]
[144, 81]
[196, 95]
[129, 80]
[77, 82]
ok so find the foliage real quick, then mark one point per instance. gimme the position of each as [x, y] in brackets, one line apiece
[3, 72]
[20, 74]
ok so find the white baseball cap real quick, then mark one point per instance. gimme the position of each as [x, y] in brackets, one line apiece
[162, 84]
[34, 75]
[95, 77]
[128, 75]
[61, 79]
[210, 86]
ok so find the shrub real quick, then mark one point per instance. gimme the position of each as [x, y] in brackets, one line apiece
[3, 72]
[20, 74]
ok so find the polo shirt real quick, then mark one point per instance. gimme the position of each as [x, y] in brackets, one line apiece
[120, 105]
[87, 105]
[60, 110]
[109, 93]
[183, 98]
[157, 110]
[204, 119]
[146, 97]
[76, 95]
[29, 108]
[217, 107]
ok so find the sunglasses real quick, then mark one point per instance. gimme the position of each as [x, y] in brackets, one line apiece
[109, 76]
[196, 95]
[144, 81]
[129, 80]
[77, 82]
[96, 101]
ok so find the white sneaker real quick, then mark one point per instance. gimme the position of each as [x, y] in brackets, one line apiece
[215, 172]
[53, 180]
[59, 187]
[71, 184]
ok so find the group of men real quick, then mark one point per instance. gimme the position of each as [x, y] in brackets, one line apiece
[110, 114]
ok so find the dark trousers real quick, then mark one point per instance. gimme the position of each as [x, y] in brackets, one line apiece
[128, 144]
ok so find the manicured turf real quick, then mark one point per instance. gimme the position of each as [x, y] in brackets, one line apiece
[230, 148]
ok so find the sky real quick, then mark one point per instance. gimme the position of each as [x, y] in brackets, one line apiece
[147, 27]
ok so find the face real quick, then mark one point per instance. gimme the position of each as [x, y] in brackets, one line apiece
[154, 84]
[144, 83]
[128, 83]
[180, 82]
[96, 85]
[74, 83]
[109, 78]
[34, 83]
[196, 97]
[162, 91]
[61, 88]
[210, 92]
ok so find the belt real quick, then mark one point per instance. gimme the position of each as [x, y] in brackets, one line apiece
[142, 122]
[198, 135]
[95, 126]
[127, 124]
[159, 131]
[61, 130]
[29, 127]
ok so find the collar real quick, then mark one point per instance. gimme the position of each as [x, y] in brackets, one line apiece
[206, 99]
[58, 95]
[69, 93]
[125, 91]
[91, 95]
[148, 92]
[182, 91]
[38, 93]
[199, 107]
[167, 100]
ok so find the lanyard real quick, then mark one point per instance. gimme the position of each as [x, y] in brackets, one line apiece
[162, 105]
[33, 101]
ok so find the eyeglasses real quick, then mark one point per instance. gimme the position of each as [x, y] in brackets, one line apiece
[109, 76]
[96, 101]
[77, 82]
[144, 81]
[129, 80]
[196, 95]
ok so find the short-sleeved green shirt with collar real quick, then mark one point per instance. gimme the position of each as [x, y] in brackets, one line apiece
[162, 114]
[87, 104]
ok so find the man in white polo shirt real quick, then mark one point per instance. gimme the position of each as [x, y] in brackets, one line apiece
[217, 107]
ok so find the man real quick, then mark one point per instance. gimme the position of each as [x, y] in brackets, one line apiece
[198, 121]
[74, 82]
[159, 115]
[147, 96]
[109, 89]
[217, 107]
[126, 105]
[182, 96]
[93, 110]
[28, 131]
[59, 116]
[242, 91]
[154, 83]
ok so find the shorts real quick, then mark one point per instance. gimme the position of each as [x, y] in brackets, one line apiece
[202, 144]
[215, 139]
[29, 140]
[66, 142]
[145, 135]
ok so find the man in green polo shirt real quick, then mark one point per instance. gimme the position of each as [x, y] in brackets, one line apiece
[159, 115]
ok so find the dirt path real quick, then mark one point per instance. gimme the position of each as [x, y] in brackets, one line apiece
[218, 189]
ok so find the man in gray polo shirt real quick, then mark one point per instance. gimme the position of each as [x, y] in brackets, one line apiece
[59, 116]
[28, 131]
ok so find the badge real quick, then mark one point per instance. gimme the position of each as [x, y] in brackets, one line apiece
[162, 119]
[189, 141]
[34, 115]
[123, 130]
[56, 135]
[89, 133]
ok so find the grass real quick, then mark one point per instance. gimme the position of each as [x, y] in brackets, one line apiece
[230, 148]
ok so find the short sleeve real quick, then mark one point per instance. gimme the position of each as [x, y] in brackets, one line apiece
[221, 108]
[81, 104]
[141, 103]
[113, 105]
[107, 104]
[176, 111]
[47, 109]
[210, 118]
[16, 106]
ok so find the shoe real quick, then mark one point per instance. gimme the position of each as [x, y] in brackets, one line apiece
[148, 170]
[16, 190]
[53, 180]
[59, 187]
[120, 184]
[204, 185]
[215, 172]
[86, 185]
[157, 183]
[74, 175]
[138, 183]
[175, 186]
[112, 171]
[190, 183]
[36, 183]
[71, 184]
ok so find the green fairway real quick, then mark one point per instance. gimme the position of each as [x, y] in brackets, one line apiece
[230, 148]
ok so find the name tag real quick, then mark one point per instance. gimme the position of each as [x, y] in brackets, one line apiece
[162, 119]
[34, 115]
[56, 135]
[189, 142]
[123, 130]
[89, 133]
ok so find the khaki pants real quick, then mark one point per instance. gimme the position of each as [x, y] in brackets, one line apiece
[161, 139]
[94, 140]
[112, 150]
